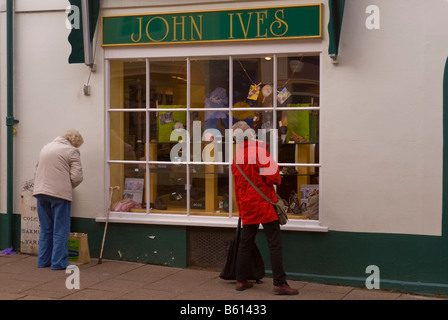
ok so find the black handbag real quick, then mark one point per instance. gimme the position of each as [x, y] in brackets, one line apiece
[280, 206]
[257, 271]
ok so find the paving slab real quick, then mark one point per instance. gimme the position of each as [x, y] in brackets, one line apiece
[365, 294]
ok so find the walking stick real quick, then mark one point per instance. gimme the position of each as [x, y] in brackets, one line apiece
[111, 189]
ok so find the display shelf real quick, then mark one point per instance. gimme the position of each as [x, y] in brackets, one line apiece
[196, 212]
[207, 179]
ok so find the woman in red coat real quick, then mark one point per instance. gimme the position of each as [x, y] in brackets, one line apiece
[257, 164]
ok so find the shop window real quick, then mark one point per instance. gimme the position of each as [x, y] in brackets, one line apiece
[169, 147]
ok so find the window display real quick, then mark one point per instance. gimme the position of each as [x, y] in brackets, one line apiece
[169, 120]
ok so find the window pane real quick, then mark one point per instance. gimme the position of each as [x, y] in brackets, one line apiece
[209, 83]
[209, 193]
[299, 131]
[127, 84]
[252, 82]
[168, 81]
[297, 184]
[167, 188]
[209, 89]
[298, 80]
[127, 135]
[131, 180]
[207, 144]
[167, 130]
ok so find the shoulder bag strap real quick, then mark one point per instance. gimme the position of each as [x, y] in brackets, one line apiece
[253, 185]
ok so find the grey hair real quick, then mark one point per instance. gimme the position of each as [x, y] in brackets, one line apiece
[74, 137]
[241, 125]
[242, 130]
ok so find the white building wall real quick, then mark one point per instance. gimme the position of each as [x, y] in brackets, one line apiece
[49, 100]
[381, 127]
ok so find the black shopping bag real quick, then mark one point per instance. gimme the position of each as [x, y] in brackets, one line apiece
[257, 271]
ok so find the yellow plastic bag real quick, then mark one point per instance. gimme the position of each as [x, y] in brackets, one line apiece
[78, 248]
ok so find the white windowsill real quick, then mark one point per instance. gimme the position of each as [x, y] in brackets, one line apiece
[202, 221]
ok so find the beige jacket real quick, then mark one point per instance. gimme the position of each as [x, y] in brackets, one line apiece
[58, 170]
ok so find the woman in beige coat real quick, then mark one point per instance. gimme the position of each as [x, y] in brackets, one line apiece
[58, 172]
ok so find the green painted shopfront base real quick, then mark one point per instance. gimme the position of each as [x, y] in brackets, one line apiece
[408, 263]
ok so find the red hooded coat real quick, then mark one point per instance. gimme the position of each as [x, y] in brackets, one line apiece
[258, 165]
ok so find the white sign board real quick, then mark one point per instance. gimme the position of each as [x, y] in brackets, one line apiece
[30, 226]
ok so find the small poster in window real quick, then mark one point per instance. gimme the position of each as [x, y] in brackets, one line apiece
[133, 189]
[283, 95]
[253, 92]
[167, 120]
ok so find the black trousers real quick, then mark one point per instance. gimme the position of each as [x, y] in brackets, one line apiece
[247, 243]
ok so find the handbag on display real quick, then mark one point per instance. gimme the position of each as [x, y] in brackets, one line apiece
[280, 206]
[313, 205]
[294, 204]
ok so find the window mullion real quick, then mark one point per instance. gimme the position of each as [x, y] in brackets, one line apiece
[274, 106]
[230, 143]
[107, 122]
[188, 186]
[148, 130]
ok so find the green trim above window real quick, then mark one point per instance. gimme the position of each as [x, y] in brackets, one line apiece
[336, 8]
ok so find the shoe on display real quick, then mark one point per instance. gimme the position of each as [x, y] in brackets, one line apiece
[175, 196]
[159, 204]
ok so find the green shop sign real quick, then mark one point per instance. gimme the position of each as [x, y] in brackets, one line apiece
[290, 22]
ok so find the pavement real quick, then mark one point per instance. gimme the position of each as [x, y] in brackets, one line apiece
[20, 279]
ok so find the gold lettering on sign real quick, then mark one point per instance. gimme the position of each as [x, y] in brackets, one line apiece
[267, 24]
[178, 26]
[245, 30]
[231, 26]
[261, 15]
[167, 29]
[198, 30]
[178, 23]
[140, 31]
[279, 22]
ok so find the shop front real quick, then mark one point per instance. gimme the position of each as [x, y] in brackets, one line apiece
[176, 82]
[175, 85]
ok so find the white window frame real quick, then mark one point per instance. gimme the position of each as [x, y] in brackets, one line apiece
[184, 51]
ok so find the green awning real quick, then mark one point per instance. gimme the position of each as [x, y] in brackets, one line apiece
[334, 26]
[75, 37]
